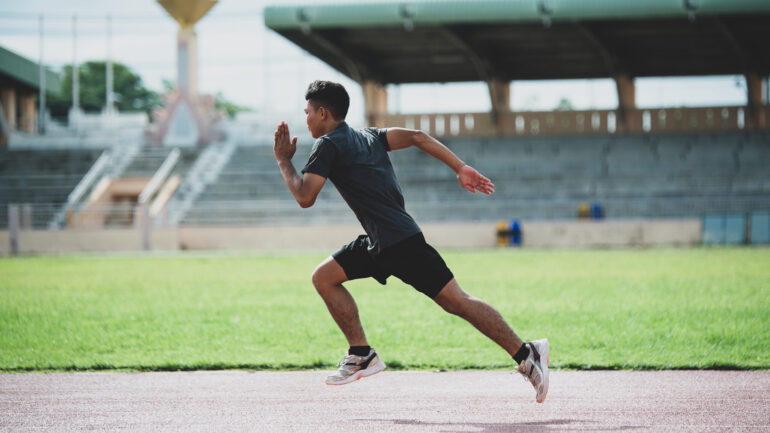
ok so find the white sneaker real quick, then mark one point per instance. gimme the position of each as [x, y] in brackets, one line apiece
[353, 367]
[535, 367]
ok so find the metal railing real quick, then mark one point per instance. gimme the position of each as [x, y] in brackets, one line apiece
[533, 123]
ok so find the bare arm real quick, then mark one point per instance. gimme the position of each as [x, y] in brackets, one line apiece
[305, 188]
[469, 178]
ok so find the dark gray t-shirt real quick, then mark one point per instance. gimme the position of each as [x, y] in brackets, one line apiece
[357, 163]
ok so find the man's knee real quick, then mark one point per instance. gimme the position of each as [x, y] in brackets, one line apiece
[328, 273]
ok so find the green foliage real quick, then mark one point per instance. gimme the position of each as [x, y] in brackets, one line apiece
[130, 93]
[220, 102]
[230, 108]
[564, 105]
[643, 309]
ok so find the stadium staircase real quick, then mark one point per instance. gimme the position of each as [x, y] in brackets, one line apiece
[111, 163]
[204, 171]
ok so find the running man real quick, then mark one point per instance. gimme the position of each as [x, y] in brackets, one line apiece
[357, 163]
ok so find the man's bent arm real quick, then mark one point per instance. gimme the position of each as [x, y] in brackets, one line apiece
[469, 178]
[304, 189]
[400, 138]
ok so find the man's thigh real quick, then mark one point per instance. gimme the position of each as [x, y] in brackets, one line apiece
[356, 262]
[418, 264]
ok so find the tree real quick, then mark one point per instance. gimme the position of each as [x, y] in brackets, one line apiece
[220, 103]
[230, 108]
[130, 93]
[564, 105]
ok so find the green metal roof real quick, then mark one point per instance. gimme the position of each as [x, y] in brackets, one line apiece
[27, 72]
[382, 13]
[414, 41]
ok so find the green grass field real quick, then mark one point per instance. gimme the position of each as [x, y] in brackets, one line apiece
[645, 309]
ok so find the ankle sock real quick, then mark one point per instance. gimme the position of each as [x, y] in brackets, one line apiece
[522, 354]
[359, 350]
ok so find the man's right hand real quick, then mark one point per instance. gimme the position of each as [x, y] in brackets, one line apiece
[283, 146]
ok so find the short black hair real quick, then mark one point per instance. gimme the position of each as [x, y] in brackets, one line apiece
[330, 95]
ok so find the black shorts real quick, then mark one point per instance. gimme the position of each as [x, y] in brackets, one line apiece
[412, 261]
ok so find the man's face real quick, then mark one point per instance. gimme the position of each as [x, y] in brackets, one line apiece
[314, 120]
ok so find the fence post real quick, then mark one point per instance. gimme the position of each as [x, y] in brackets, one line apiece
[26, 216]
[13, 227]
[146, 225]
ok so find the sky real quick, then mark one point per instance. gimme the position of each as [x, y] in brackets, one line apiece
[254, 66]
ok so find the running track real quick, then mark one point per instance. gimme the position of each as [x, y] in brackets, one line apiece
[468, 401]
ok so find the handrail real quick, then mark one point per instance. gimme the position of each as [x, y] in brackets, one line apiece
[532, 123]
[88, 179]
[159, 176]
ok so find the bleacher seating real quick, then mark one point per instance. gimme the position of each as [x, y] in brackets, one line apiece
[535, 178]
[250, 190]
[41, 178]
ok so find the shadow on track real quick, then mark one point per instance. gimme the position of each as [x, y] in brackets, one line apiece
[528, 427]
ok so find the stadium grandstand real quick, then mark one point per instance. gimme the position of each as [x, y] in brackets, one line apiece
[707, 165]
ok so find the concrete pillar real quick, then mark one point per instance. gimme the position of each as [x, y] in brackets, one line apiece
[187, 60]
[8, 99]
[755, 88]
[28, 113]
[13, 227]
[375, 103]
[500, 97]
[8, 110]
[626, 101]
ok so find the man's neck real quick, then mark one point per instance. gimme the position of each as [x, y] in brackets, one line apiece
[332, 126]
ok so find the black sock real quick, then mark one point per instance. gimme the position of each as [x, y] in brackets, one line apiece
[522, 354]
[359, 350]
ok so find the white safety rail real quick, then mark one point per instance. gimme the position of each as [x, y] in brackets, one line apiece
[205, 171]
[86, 184]
[157, 179]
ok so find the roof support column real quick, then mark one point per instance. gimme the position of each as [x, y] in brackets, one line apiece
[8, 122]
[28, 113]
[8, 98]
[755, 87]
[375, 103]
[626, 102]
[500, 96]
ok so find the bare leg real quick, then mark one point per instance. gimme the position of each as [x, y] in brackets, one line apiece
[481, 315]
[327, 279]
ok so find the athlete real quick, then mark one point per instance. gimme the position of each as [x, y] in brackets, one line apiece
[357, 163]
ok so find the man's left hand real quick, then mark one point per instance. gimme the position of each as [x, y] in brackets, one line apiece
[284, 147]
[473, 181]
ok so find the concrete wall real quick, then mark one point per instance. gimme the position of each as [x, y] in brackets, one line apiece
[612, 233]
[537, 234]
[87, 240]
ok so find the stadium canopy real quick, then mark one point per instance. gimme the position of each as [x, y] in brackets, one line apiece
[19, 71]
[413, 41]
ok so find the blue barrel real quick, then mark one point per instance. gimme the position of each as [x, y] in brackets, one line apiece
[597, 211]
[515, 233]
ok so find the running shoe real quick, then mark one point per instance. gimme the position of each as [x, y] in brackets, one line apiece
[353, 367]
[535, 367]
